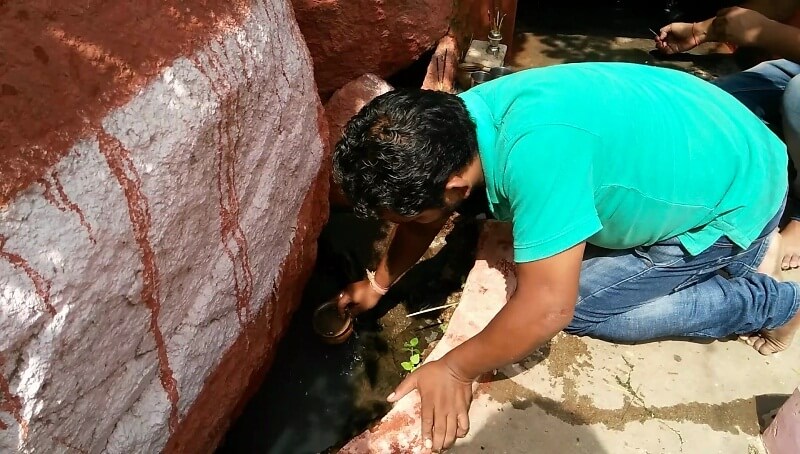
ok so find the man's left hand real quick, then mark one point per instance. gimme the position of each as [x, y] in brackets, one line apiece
[446, 396]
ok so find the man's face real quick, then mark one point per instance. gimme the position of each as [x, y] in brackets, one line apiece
[452, 199]
[426, 217]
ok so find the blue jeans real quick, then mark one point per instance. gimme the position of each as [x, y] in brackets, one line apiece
[772, 91]
[661, 291]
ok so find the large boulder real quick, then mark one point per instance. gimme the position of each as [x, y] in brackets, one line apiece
[157, 227]
[341, 107]
[348, 101]
[348, 38]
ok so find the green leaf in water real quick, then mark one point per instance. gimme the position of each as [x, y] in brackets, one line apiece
[407, 365]
[414, 342]
[415, 359]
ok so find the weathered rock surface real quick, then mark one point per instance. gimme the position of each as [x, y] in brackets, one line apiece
[353, 37]
[66, 64]
[348, 101]
[441, 71]
[152, 255]
[341, 107]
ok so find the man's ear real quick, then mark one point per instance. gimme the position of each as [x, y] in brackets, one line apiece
[457, 188]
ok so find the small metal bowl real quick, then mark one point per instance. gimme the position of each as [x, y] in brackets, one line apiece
[500, 71]
[329, 325]
[479, 77]
[464, 73]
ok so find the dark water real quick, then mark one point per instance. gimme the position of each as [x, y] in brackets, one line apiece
[306, 403]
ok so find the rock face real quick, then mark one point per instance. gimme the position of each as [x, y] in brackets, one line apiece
[341, 107]
[155, 237]
[348, 38]
[348, 100]
[441, 71]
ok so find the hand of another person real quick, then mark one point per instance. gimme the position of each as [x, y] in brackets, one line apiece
[445, 398]
[358, 297]
[677, 37]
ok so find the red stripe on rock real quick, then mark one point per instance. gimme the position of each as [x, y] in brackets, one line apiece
[232, 236]
[40, 284]
[128, 177]
[63, 203]
[11, 404]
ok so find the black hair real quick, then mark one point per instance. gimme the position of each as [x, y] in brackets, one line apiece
[398, 152]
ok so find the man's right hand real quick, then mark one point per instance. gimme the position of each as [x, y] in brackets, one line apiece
[358, 297]
[680, 37]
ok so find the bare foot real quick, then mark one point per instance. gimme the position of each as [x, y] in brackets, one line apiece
[791, 246]
[772, 341]
[771, 263]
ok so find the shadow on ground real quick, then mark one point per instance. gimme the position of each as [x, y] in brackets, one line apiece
[521, 430]
[534, 50]
[549, 33]
[767, 406]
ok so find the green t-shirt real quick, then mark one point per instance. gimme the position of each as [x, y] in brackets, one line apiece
[623, 155]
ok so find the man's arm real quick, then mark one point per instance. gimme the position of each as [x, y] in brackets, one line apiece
[409, 242]
[754, 23]
[542, 305]
[779, 10]
[551, 222]
[780, 39]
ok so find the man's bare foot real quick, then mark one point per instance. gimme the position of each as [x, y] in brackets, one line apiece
[791, 246]
[771, 263]
[775, 340]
